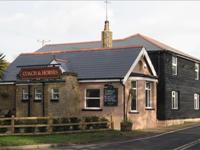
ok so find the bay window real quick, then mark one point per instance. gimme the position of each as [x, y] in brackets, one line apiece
[148, 95]
[134, 96]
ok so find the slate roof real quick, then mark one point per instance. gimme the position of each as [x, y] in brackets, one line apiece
[137, 39]
[88, 64]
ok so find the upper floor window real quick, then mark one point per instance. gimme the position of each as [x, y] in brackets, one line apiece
[148, 95]
[38, 94]
[25, 94]
[55, 94]
[196, 101]
[92, 98]
[174, 99]
[196, 71]
[134, 96]
[174, 65]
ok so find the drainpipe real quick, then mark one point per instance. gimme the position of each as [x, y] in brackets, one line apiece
[43, 102]
[29, 100]
[124, 103]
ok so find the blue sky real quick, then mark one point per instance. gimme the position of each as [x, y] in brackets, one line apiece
[23, 23]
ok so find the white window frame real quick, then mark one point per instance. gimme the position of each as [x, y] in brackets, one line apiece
[148, 102]
[196, 69]
[86, 98]
[136, 110]
[53, 93]
[38, 93]
[174, 100]
[174, 65]
[196, 101]
[25, 95]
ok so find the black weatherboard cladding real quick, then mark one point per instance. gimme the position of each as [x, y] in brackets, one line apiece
[185, 84]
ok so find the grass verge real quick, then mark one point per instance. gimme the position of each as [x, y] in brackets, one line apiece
[76, 138]
[84, 138]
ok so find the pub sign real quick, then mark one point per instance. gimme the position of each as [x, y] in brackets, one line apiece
[40, 73]
[110, 96]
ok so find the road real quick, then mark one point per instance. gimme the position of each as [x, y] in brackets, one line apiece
[179, 140]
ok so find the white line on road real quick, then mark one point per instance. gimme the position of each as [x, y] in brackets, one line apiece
[188, 145]
[150, 137]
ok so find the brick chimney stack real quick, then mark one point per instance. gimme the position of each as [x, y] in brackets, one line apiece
[106, 36]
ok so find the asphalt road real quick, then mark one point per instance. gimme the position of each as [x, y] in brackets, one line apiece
[180, 140]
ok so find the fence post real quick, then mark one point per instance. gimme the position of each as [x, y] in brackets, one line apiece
[111, 123]
[82, 123]
[50, 123]
[12, 124]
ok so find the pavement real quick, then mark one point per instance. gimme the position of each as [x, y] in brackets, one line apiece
[183, 139]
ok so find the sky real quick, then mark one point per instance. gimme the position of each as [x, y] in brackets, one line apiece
[22, 23]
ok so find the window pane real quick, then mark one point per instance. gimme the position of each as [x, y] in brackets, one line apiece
[24, 94]
[174, 60]
[133, 84]
[174, 99]
[93, 93]
[38, 94]
[133, 100]
[93, 103]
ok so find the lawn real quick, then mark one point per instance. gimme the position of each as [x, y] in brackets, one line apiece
[84, 138]
[76, 138]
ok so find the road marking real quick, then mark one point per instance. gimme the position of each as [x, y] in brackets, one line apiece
[150, 137]
[186, 146]
[138, 139]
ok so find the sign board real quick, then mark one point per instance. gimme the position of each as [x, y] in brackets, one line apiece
[39, 73]
[110, 96]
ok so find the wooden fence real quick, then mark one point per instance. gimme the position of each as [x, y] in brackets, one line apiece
[49, 125]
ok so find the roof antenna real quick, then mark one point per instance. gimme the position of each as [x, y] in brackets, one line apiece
[43, 42]
[106, 1]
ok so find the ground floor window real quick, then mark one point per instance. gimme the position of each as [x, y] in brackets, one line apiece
[148, 95]
[24, 94]
[38, 94]
[175, 99]
[55, 94]
[92, 98]
[134, 96]
[196, 101]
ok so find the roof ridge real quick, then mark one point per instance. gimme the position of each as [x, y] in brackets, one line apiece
[164, 46]
[119, 39]
[84, 50]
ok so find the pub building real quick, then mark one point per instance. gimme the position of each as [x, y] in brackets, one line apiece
[104, 78]
[84, 82]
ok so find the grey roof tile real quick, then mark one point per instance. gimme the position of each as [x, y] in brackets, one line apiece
[90, 64]
[137, 39]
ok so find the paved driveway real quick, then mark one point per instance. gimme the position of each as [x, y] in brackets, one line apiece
[179, 140]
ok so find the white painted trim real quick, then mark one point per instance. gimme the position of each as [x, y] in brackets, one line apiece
[22, 84]
[85, 99]
[8, 83]
[143, 78]
[54, 62]
[109, 80]
[142, 53]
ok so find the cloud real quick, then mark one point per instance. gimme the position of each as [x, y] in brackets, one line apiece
[23, 23]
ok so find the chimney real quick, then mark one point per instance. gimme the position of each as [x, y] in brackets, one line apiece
[106, 36]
